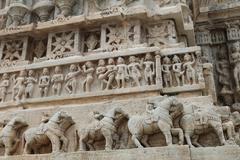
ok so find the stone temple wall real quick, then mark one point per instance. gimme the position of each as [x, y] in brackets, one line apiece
[119, 79]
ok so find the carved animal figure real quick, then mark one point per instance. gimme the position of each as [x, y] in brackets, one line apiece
[196, 121]
[104, 128]
[52, 132]
[8, 135]
[160, 121]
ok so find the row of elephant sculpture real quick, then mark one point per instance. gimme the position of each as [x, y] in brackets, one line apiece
[161, 114]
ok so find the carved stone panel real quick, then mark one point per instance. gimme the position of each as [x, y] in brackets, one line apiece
[62, 44]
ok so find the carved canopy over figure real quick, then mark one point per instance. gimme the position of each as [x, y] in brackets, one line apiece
[50, 131]
[9, 135]
[104, 128]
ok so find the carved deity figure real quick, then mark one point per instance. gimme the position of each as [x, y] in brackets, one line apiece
[19, 86]
[30, 82]
[224, 77]
[44, 82]
[111, 73]
[167, 74]
[101, 73]
[122, 73]
[177, 70]
[88, 69]
[236, 61]
[4, 84]
[57, 80]
[71, 79]
[189, 61]
[134, 68]
[149, 69]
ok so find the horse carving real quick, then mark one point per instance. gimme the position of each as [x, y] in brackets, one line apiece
[52, 131]
[105, 127]
[196, 121]
[8, 135]
[159, 121]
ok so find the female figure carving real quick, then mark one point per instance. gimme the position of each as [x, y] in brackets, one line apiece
[122, 73]
[57, 81]
[88, 69]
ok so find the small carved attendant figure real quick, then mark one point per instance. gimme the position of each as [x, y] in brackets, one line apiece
[71, 79]
[134, 70]
[236, 61]
[19, 86]
[88, 69]
[149, 70]
[101, 73]
[190, 71]
[167, 75]
[177, 70]
[31, 80]
[4, 86]
[57, 80]
[122, 73]
[111, 73]
[44, 82]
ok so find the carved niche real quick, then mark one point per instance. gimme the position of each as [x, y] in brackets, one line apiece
[13, 52]
[163, 35]
[117, 36]
[62, 44]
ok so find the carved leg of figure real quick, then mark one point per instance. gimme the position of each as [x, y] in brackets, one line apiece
[136, 80]
[177, 79]
[178, 132]
[11, 147]
[170, 80]
[144, 141]
[217, 126]
[65, 143]
[151, 80]
[166, 130]
[195, 141]
[27, 148]
[41, 92]
[110, 80]
[183, 79]
[194, 79]
[90, 145]
[55, 141]
[135, 139]
[107, 133]
[118, 83]
[188, 139]
[82, 144]
[45, 91]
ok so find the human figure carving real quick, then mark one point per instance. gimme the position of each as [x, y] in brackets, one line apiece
[44, 82]
[189, 61]
[19, 86]
[9, 135]
[149, 69]
[236, 61]
[88, 69]
[4, 84]
[122, 73]
[101, 73]
[71, 79]
[177, 70]
[30, 82]
[52, 129]
[111, 73]
[57, 80]
[134, 68]
[167, 74]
